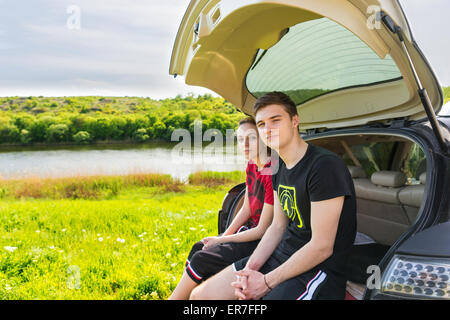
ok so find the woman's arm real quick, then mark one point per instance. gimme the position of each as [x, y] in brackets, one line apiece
[255, 233]
[241, 218]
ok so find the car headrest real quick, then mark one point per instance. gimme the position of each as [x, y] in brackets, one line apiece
[393, 179]
[423, 178]
[357, 172]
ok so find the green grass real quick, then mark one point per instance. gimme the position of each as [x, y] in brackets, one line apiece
[213, 178]
[84, 187]
[446, 91]
[130, 246]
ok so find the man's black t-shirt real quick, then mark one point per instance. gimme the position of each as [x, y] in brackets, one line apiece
[319, 175]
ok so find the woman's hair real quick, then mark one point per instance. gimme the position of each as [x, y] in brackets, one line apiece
[247, 120]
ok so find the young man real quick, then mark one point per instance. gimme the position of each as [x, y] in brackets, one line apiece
[303, 253]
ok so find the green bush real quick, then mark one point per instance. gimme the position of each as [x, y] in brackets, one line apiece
[25, 136]
[8, 132]
[82, 137]
[158, 129]
[141, 135]
[57, 133]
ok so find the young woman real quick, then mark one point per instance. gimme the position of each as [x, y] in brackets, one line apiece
[212, 254]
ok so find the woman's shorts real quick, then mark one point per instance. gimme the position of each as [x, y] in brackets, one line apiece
[202, 264]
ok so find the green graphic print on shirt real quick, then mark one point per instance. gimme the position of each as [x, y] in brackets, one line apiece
[288, 201]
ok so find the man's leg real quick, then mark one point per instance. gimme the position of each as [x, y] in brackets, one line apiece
[218, 287]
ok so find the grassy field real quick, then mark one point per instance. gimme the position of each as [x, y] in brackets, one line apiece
[446, 91]
[130, 243]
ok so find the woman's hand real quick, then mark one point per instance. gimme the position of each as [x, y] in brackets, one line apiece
[211, 241]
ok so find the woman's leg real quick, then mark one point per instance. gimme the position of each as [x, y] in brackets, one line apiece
[186, 284]
[184, 288]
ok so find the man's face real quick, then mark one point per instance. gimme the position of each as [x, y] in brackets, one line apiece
[276, 128]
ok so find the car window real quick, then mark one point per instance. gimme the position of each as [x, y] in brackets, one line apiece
[379, 156]
[445, 111]
[415, 164]
[317, 57]
[373, 157]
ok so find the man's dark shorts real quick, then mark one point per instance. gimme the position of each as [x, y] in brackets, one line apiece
[315, 284]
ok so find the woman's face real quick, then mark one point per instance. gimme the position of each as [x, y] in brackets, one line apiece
[248, 140]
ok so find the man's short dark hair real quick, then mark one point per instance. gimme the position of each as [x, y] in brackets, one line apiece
[279, 98]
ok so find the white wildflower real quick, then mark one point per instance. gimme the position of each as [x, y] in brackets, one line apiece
[154, 295]
[10, 249]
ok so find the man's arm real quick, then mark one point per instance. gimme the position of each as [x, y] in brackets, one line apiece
[271, 238]
[324, 223]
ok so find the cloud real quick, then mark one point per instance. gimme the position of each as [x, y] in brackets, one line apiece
[124, 46]
[121, 47]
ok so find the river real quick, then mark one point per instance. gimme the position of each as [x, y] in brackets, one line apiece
[115, 159]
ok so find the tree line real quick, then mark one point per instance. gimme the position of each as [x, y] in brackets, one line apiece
[85, 120]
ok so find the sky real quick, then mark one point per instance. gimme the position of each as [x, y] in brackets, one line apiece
[123, 47]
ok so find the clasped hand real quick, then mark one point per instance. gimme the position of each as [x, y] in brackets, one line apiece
[250, 285]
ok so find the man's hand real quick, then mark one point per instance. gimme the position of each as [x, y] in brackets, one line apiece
[250, 285]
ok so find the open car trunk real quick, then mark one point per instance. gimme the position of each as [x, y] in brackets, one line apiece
[337, 60]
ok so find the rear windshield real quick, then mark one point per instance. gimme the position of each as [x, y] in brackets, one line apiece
[317, 57]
